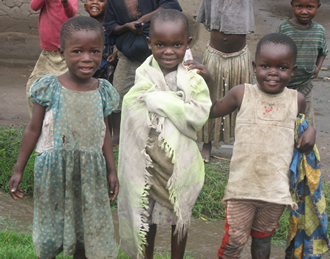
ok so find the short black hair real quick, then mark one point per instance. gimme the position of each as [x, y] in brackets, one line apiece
[79, 23]
[277, 38]
[169, 15]
[318, 1]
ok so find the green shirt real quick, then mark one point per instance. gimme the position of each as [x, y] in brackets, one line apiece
[311, 42]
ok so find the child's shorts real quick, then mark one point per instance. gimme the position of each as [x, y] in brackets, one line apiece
[244, 218]
[159, 214]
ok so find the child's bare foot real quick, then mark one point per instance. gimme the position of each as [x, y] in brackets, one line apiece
[115, 140]
[206, 152]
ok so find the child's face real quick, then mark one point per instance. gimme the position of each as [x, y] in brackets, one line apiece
[304, 10]
[82, 53]
[95, 8]
[274, 67]
[168, 42]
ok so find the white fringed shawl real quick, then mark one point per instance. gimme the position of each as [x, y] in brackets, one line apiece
[177, 116]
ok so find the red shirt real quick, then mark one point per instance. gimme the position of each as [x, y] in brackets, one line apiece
[53, 13]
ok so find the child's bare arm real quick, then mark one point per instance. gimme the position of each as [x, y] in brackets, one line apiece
[229, 103]
[30, 138]
[319, 63]
[307, 139]
[110, 162]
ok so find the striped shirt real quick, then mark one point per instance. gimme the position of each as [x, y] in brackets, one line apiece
[311, 42]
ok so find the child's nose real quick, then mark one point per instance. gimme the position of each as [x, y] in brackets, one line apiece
[86, 56]
[168, 50]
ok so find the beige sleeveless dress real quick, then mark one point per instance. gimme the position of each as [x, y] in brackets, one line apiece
[263, 148]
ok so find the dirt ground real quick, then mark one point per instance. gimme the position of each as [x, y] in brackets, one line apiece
[268, 14]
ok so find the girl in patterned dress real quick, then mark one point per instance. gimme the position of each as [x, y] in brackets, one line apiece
[74, 152]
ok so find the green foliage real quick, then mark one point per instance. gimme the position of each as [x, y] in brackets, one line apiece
[10, 141]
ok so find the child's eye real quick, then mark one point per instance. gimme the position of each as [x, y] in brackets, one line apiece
[283, 68]
[95, 51]
[264, 66]
[76, 51]
[159, 45]
[178, 45]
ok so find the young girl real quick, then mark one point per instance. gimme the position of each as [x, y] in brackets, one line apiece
[72, 212]
[161, 116]
[259, 187]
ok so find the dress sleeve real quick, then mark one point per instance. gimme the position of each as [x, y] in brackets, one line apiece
[110, 97]
[44, 90]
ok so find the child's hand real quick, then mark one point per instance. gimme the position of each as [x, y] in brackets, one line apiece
[307, 140]
[14, 182]
[201, 69]
[114, 186]
[112, 59]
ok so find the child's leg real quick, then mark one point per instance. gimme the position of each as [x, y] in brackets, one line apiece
[177, 247]
[266, 220]
[151, 241]
[79, 254]
[239, 220]
[260, 247]
[206, 152]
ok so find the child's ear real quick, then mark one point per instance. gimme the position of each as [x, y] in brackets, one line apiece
[61, 52]
[294, 69]
[189, 42]
[254, 65]
[149, 42]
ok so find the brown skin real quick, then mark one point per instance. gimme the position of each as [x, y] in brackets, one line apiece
[177, 247]
[227, 43]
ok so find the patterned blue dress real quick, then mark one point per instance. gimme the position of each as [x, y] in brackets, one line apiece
[71, 199]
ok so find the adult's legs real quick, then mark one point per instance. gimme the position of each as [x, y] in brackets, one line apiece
[151, 241]
[260, 247]
[177, 246]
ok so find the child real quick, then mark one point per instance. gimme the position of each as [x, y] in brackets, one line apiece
[53, 13]
[258, 187]
[228, 59]
[96, 9]
[161, 171]
[311, 42]
[72, 212]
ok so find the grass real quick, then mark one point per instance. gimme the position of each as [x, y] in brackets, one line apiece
[208, 206]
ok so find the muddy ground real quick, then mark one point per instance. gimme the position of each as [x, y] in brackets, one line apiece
[204, 238]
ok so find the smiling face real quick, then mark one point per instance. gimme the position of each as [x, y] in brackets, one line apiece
[168, 42]
[95, 8]
[304, 11]
[82, 52]
[274, 66]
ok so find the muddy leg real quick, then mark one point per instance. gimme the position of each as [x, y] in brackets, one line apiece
[177, 248]
[115, 123]
[260, 247]
[206, 152]
[151, 241]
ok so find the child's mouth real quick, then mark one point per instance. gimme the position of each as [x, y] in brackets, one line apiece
[272, 82]
[94, 9]
[86, 69]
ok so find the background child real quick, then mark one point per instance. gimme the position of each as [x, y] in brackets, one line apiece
[129, 22]
[311, 42]
[161, 116]
[53, 13]
[227, 57]
[258, 188]
[96, 9]
[72, 211]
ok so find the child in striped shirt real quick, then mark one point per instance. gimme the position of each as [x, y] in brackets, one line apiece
[310, 39]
